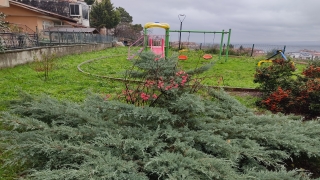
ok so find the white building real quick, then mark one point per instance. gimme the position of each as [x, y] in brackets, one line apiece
[301, 55]
[80, 11]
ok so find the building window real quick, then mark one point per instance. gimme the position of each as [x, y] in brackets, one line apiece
[85, 12]
[74, 10]
[47, 24]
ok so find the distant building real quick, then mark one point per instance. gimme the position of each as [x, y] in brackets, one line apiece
[316, 56]
[33, 18]
[80, 11]
[75, 9]
[294, 55]
[4, 3]
[305, 55]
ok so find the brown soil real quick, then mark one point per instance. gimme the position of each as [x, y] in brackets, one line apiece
[244, 93]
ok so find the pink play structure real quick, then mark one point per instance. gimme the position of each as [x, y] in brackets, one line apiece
[156, 43]
[157, 47]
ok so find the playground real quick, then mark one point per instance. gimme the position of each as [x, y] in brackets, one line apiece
[161, 46]
[65, 82]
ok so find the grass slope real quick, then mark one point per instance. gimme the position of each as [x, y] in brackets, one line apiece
[66, 82]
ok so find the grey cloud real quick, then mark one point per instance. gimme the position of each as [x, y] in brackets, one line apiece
[251, 21]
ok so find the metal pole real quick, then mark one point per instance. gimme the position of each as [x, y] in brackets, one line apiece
[67, 37]
[181, 20]
[167, 44]
[228, 44]
[37, 35]
[220, 52]
[59, 35]
[145, 39]
[252, 50]
[196, 31]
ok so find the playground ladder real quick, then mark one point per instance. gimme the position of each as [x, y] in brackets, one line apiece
[132, 55]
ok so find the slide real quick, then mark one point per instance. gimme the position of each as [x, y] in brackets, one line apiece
[158, 50]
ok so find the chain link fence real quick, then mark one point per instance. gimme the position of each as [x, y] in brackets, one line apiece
[302, 52]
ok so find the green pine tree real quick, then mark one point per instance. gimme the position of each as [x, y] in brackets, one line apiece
[103, 14]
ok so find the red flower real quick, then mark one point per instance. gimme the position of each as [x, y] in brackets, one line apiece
[145, 96]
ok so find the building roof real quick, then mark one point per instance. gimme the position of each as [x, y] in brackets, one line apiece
[71, 30]
[43, 12]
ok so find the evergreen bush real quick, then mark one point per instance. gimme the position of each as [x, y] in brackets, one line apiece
[186, 136]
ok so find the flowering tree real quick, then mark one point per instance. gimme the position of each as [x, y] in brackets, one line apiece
[160, 80]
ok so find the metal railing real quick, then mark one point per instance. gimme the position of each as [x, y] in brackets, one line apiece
[304, 52]
[19, 37]
[64, 37]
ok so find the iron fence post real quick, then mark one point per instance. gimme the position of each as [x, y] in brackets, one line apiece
[59, 36]
[252, 50]
[50, 38]
[37, 36]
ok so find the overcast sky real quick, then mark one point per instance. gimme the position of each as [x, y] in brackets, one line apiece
[251, 21]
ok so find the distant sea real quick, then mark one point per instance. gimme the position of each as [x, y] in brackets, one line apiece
[289, 46]
[292, 46]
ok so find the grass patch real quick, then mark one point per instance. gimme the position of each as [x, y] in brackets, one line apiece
[64, 81]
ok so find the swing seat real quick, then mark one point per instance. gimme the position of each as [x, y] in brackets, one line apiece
[183, 57]
[207, 56]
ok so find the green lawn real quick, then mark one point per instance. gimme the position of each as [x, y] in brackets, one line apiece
[66, 82]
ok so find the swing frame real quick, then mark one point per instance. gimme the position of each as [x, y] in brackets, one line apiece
[207, 56]
[183, 56]
[223, 32]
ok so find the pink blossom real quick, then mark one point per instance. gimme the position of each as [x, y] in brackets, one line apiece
[145, 96]
[130, 98]
[160, 84]
[154, 96]
[125, 92]
[180, 72]
[149, 83]
[168, 87]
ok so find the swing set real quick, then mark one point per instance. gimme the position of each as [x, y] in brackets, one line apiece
[161, 49]
[183, 56]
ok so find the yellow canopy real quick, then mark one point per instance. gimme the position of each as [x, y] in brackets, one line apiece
[156, 24]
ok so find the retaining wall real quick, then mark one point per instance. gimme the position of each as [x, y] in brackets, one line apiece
[13, 58]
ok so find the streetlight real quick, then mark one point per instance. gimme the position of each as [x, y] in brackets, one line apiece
[181, 18]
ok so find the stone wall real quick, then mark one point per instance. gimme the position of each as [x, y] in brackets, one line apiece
[13, 58]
